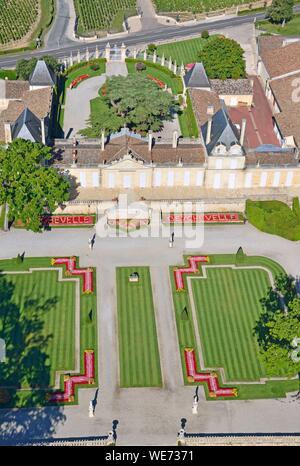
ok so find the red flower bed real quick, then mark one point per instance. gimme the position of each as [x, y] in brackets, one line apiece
[202, 218]
[71, 381]
[209, 377]
[87, 274]
[193, 268]
[76, 81]
[67, 220]
[157, 81]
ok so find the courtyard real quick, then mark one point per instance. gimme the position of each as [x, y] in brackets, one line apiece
[153, 414]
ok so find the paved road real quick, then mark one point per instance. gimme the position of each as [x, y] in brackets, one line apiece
[138, 38]
[148, 18]
[147, 416]
[60, 34]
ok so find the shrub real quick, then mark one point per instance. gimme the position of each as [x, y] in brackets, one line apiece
[152, 48]
[95, 67]
[140, 66]
[240, 256]
[274, 217]
[205, 34]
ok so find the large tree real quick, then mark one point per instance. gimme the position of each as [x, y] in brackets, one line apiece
[28, 186]
[278, 326]
[223, 59]
[280, 11]
[134, 101]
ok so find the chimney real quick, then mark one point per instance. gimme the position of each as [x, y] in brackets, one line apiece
[43, 131]
[7, 133]
[150, 139]
[208, 134]
[210, 110]
[102, 141]
[243, 130]
[175, 139]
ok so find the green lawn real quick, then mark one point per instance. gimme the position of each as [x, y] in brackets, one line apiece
[138, 347]
[185, 51]
[187, 120]
[163, 74]
[9, 74]
[37, 321]
[227, 307]
[85, 68]
[292, 28]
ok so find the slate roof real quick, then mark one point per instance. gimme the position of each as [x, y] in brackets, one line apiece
[42, 75]
[196, 77]
[161, 154]
[27, 126]
[232, 86]
[223, 131]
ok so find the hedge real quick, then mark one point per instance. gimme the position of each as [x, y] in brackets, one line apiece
[275, 217]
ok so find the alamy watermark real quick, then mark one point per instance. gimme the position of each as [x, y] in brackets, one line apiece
[138, 220]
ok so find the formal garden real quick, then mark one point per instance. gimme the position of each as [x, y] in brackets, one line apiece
[147, 83]
[232, 329]
[48, 321]
[138, 347]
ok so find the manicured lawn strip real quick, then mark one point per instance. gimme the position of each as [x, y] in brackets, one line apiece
[60, 321]
[292, 28]
[185, 51]
[227, 306]
[2, 217]
[170, 79]
[187, 121]
[138, 347]
[240, 288]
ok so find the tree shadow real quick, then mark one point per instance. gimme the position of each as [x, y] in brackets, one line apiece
[25, 373]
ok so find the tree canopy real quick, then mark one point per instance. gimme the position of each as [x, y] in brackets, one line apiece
[25, 67]
[223, 59]
[134, 101]
[27, 185]
[278, 326]
[280, 11]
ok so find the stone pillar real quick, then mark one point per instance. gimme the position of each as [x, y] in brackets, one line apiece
[154, 56]
[87, 54]
[107, 52]
[170, 63]
[78, 57]
[97, 52]
[102, 141]
[163, 60]
[123, 52]
[145, 54]
[175, 139]
[7, 133]
[182, 69]
[134, 53]
[43, 131]
[175, 67]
